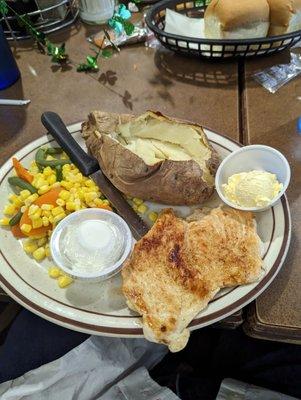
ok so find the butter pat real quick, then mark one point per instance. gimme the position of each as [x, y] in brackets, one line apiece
[252, 189]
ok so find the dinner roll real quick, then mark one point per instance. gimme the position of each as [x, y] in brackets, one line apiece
[236, 19]
[285, 16]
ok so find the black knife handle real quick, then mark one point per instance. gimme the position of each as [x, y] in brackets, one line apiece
[56, 127]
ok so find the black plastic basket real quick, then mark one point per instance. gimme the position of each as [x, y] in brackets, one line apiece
[211, 48]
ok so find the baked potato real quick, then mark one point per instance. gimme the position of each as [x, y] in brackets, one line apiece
[152, 156]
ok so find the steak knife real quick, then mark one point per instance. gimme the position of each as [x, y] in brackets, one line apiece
[89, 166]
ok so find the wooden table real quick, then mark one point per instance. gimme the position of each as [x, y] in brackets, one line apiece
[223, 97]
[271, 119]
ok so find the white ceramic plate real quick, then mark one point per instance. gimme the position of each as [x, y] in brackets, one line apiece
[100, 308]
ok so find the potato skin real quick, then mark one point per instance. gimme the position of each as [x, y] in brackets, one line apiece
[169, 182]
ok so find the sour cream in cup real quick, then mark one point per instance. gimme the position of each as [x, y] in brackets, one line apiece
[91, 244]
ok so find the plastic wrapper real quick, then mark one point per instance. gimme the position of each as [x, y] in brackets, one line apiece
[101, 368]
[139, 35]
[275, 77]
[233, 389]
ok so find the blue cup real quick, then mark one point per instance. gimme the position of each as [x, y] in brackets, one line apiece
[9, 71]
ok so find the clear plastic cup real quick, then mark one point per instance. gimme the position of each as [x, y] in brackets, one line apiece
[96, 12]
[70, 256]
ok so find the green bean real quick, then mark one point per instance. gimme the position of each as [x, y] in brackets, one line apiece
[40, 159]
[16, 181]
[54, 150]
[59, 173]
[41, 169]
[15, 219]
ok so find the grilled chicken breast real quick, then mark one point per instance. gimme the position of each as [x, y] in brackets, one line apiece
[179, 266]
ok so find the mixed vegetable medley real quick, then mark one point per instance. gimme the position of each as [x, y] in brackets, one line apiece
[42, 196]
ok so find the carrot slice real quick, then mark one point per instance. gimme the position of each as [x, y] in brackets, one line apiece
[48, 198]
[21, 171]
[16, 231]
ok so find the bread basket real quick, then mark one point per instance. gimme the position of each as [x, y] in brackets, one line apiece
[209, 48]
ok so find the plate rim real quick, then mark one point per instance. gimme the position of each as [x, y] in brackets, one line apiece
[138, 332]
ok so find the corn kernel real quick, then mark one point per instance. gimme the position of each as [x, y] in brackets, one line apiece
[54, 272]
[135, 208]
[64, 195]
[4, 221]
[81, 194]
[9, 209]
[58, 217]
[66, 167]
[60, 202]
[42, 241]
[57, 210]
[64, 281]
[142, 208]
[98, 202]
[47, 252]
[46, 213]
[23, 209]
[50, 158]
[50, 218]
[47, 171]
[66, 185]
[33, 169]
[32, 209]
[92, 189]
[137, 201]
[45, 221]
[56, 185]
[36, 215]
[90, 196]
[39, 182]
[12, 197]
[71, 177]
[30, 199]
[89, 183]
[26, 228]
[37, 237]
[106, 202]
[29, 241]
[37, 223]
[51, 179]
[24, 194]
[15, 200]
[39, 254]
[153, 216]
[47, 207]
[43, 189]
[30, 246]
[70, 206]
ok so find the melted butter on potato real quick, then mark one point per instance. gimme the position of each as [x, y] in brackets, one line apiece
[155, 139]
